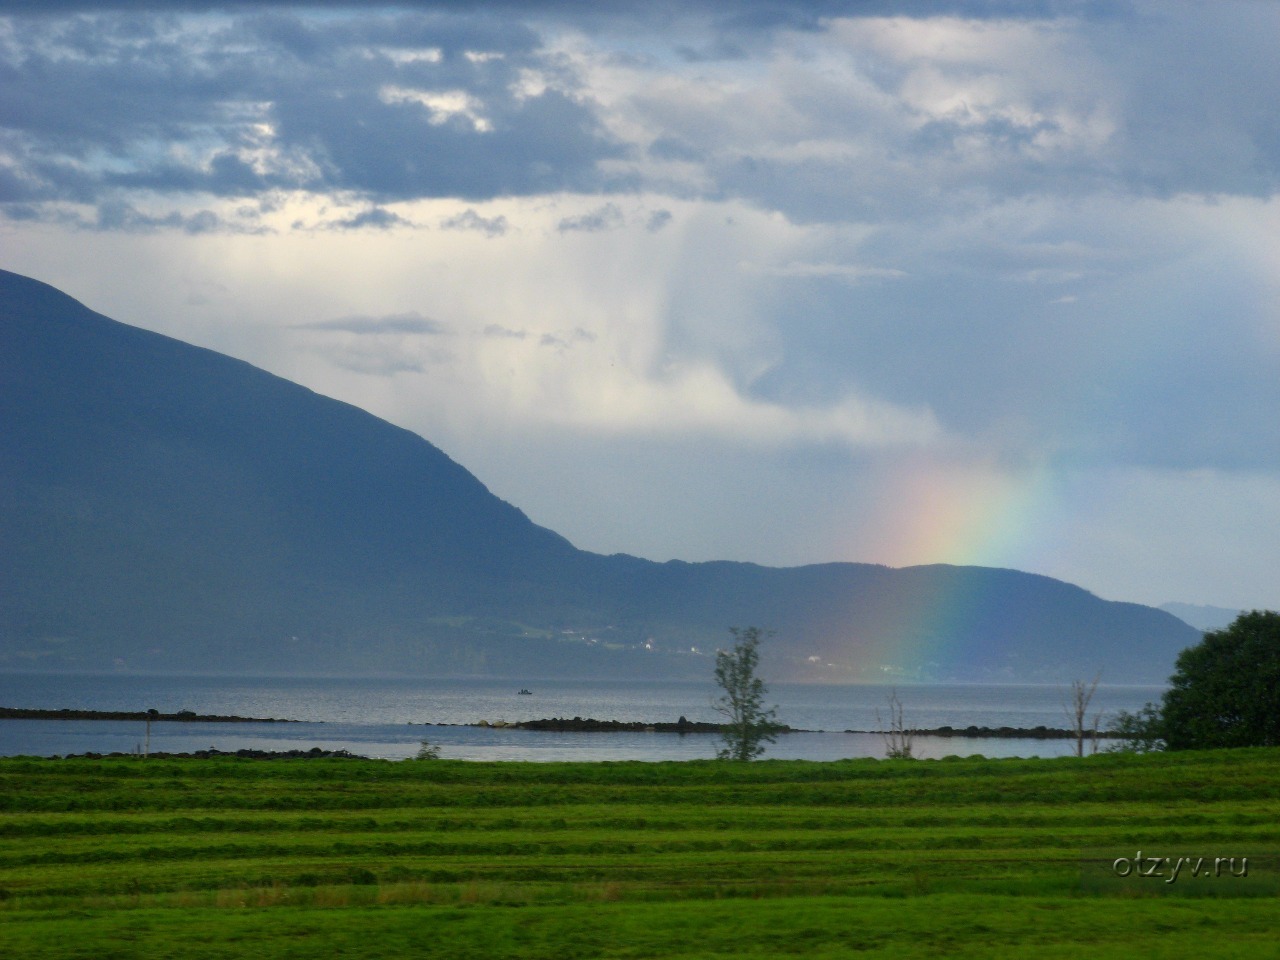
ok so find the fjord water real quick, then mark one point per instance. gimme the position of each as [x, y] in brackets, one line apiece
[388, 717]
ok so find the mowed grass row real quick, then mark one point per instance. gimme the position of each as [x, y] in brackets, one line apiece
[963, 857]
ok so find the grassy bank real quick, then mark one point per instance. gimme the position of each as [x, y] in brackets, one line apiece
[966, 858]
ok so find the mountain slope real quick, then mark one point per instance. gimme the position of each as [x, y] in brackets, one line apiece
[165, 507]
[153, 489]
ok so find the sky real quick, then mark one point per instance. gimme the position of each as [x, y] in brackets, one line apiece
[968, 281]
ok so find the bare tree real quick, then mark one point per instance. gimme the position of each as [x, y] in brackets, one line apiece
[1077, 708]
[897, 739]
[152, 714]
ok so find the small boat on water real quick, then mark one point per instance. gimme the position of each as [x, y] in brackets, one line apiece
[524, 692]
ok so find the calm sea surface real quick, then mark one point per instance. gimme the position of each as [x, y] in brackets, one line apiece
[388, 718]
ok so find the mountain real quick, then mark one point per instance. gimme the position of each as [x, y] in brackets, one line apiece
[165, 508]
[1202, 617]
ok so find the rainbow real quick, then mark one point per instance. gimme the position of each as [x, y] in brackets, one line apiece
[963, 515]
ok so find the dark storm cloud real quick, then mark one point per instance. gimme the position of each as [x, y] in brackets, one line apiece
[410, 323]
[223, 175]
[470, 220]
[120, 216]
[670, 148]
[565, 341]
[386, 362]
[382, 346]
[390, 106]
[377, 218]
[393, 150]
[395, 104]
[755, 12]
[606, 217]
[506, 333]
[657, 220]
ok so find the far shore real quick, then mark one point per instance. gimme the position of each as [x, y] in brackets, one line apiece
[565, 725]
[182, 716]
[683, 726]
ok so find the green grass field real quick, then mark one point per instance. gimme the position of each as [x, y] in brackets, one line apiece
[977, 858]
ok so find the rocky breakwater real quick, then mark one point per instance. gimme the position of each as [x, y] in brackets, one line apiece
[589, 725]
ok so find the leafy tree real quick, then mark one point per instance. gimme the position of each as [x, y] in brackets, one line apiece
[750, 725]
[427, 751]
[1140, 732]
[1226, 690]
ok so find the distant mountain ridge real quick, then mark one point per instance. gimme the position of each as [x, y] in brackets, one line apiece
[167, 508]
[1202, 616]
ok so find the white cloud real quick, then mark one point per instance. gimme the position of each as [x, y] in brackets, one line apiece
[849, 272]
[581, 393]
[401, 57]
[441, 105]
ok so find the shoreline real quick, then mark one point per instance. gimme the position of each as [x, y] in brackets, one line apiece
[182, 716]
[564, 725]
[683, 726]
